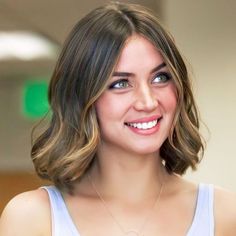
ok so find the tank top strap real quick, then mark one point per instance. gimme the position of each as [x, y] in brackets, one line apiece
[203, 221]
[61, 221]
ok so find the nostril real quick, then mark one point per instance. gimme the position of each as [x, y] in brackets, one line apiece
[146, 104]
[145, 98]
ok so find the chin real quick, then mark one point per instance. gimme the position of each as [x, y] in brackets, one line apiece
[142, 150]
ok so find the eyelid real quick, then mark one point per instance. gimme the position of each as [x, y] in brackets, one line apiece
[112, 85]
[165, 73]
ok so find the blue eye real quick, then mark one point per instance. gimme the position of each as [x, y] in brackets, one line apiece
[161, 77]
[119, 84]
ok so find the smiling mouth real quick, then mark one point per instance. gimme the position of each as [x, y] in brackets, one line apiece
[144, 125]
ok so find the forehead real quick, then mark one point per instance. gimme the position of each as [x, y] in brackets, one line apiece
[138, 52]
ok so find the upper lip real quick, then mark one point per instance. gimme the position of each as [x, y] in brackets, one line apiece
[145, 119]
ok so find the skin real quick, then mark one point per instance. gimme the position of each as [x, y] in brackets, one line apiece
[137, 91]
[127, 157]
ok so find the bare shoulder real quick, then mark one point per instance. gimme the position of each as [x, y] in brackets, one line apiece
[27, 214]
[225, 212]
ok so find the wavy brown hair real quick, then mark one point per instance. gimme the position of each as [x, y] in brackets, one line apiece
[66, 149]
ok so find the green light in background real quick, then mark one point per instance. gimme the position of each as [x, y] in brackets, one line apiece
[35, 101]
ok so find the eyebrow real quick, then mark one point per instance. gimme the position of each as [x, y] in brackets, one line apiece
[163, 64]
[127, 74]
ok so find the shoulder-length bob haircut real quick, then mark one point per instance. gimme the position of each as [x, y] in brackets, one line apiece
[66, 149]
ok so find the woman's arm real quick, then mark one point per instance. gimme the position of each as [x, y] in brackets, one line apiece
[27, 214]
[225, 213]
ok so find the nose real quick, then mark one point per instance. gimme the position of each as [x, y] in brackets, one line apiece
[145, 100]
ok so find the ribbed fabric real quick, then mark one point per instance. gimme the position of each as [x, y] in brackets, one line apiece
[202, 225]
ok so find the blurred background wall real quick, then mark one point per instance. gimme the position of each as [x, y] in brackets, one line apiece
[206, 35]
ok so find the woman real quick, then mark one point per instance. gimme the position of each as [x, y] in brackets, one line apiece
[124, 130]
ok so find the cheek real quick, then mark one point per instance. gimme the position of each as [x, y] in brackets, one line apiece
[168, 99]
[172, 103]
[109, 108]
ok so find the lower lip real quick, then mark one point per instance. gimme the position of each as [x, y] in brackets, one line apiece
[146, 131]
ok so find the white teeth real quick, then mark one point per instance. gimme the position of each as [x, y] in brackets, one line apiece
[144, 125]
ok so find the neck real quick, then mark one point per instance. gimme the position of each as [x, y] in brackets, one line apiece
[127, 176]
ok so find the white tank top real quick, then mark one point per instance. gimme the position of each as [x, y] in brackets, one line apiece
[202, 225]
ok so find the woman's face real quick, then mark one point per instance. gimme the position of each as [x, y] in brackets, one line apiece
[136, 111]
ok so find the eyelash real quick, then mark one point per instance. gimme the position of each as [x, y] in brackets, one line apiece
[113, 85]
[126, 81]
[167, 77]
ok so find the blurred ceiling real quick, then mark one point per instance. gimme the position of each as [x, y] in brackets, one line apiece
[52, 19]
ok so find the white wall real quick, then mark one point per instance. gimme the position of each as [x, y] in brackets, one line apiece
[205, 31]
